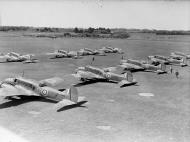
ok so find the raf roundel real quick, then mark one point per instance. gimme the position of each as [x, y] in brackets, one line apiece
[108, 75]
[44, 92]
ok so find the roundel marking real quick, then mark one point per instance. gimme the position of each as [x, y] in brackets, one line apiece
[44, 92]
[108, 75]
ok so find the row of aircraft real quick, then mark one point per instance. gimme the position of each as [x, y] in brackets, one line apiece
[16, 86]
[155, 63]
[171, 60]
[84, 52]
[28, 58]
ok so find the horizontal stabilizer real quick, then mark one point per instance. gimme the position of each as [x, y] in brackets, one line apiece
[81, 99]
[64, 103]
[124, 82]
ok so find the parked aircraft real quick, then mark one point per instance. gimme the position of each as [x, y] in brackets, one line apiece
[95, 52]
[110, 49]
[58, 54]
[8, 58]
[84, 52]
[73, 54]
[115, 50]
[64, 54]
[20, 56]
[89, 73]
[15, 57]
[16, 86]
[135, 65]
[180, 54]
[157, 59]
[99, 52]
[168, 60]
[106, 50]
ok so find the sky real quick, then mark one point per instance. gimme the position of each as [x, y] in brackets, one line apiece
[141, 14]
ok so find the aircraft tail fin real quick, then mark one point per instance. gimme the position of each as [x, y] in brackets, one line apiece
[163, 67]
[184, 60]
[129, 76]
[72, 94]
[71, 99]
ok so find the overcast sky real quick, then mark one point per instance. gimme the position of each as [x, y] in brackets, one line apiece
[169, 15]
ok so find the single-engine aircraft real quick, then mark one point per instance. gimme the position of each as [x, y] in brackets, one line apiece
[168, 60]
[180, 55]
[90, 73]
[16, 86]
[15, 57]
[135, 65]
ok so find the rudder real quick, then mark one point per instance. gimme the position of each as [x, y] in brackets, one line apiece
[73, 94]
[129, 76]
[163, 67]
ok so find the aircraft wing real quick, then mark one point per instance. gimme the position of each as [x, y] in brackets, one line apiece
[54, 54]
[110, 69]
[52, 81]
[66, 102]
[9, 90]
[124, 82]
[88, 75]
[128, 66]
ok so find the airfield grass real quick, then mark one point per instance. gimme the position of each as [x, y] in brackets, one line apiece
[111, 113]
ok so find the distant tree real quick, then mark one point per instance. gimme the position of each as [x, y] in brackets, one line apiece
[67, 34]
[90, 30]
[76, 30]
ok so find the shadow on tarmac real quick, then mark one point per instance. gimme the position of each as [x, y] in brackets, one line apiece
[79, 104]
[102, 81]
[26, 99]
[22, 100]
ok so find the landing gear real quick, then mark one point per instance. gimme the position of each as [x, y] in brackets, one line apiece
[8, 98]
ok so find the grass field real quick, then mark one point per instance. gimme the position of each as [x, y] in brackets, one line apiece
[111, 113]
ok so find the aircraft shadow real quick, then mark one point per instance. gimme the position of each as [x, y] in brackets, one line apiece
[79, 104]
[22, 100]
[11, 62]
[102, 81]
[91, 82]
[125, 85]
